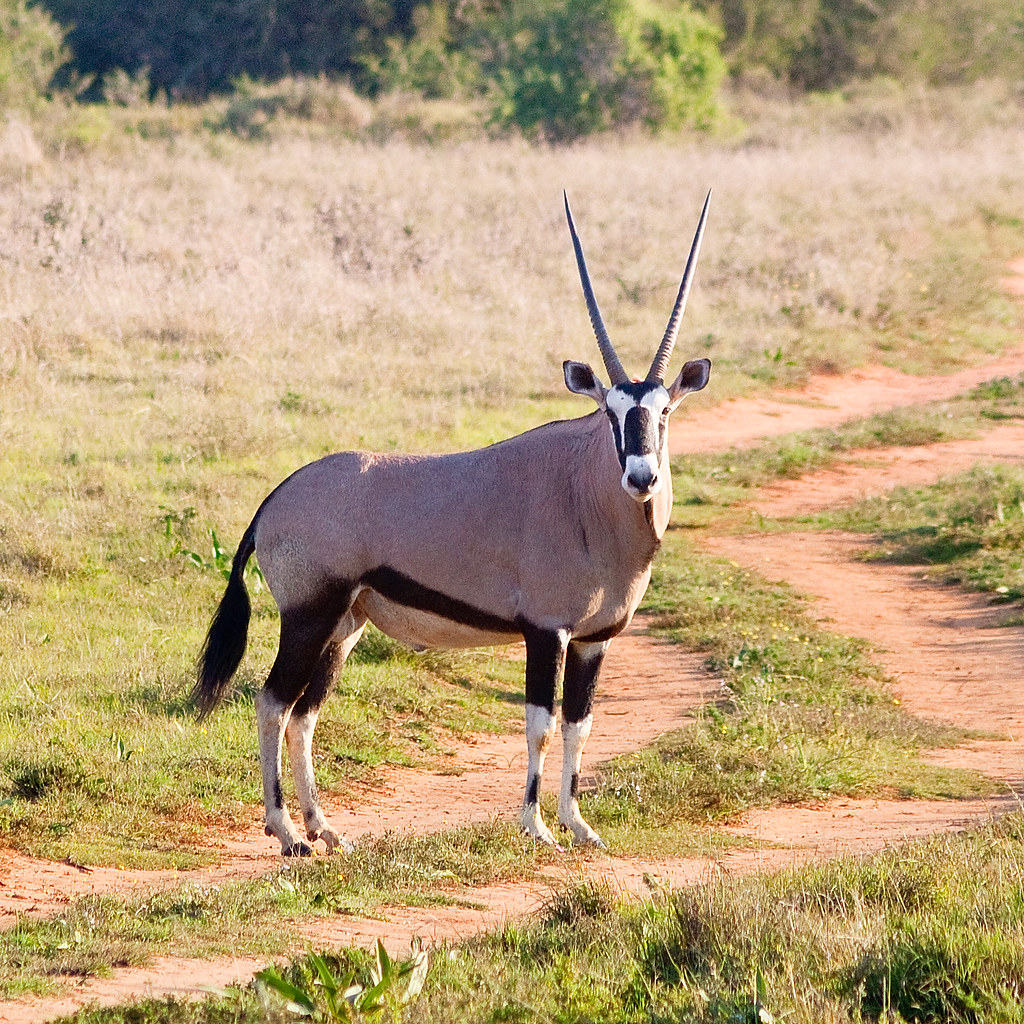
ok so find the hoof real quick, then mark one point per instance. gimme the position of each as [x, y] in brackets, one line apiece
[546, 839]
[329, 836]
[297, 849]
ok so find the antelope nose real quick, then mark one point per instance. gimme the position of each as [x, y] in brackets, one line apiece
[642, 479]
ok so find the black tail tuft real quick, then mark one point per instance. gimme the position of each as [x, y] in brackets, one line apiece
[225, 642]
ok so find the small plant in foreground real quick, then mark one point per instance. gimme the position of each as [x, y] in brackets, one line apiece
[343, 999]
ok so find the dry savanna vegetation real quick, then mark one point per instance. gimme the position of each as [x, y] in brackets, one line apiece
[186, 316]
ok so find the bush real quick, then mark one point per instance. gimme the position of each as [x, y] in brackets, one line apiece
[31, 51]
[564, 69]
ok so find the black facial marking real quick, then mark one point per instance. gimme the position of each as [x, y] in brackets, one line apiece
[580, 683]
[545, 658]
[617, 435]
[404, 590]
[532, 789]
[640, 432]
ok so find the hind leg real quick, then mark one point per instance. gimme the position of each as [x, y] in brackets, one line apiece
[302, 722]
[305, 633]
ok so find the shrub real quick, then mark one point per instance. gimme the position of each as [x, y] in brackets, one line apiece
[31, 51]
[570, 68]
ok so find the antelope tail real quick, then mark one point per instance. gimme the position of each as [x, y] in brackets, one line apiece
[225, 642]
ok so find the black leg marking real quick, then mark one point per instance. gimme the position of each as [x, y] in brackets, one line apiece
[305, 632]
[320, 682]
[278, 795]
[582, 665]
[533, 789]
[545, 659]
[574, 786]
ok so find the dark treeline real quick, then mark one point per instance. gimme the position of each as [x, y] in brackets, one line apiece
[194, 47]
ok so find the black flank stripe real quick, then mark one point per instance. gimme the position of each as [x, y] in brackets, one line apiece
[401, 589]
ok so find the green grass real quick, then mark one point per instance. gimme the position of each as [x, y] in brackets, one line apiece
[193, 316]
[804, 713]
[967, 529]
[928, 932]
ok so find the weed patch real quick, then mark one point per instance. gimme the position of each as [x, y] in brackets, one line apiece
[967, 529]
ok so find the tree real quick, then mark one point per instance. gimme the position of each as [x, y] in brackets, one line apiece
[31, 51]
[562, 69]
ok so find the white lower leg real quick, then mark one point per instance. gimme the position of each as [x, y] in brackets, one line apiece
[574, 739]
[540, 730]
[299, 734]
[271, 719]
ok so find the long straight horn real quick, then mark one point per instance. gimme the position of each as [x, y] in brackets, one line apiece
[612, 364]
[664, 353]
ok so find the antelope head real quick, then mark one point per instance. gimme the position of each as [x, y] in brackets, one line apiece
[638, 410]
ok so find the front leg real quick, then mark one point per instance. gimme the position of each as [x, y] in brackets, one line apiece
[582, 664]
[545, 657]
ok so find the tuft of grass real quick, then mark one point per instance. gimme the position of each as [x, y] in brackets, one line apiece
[967, 529]
[98, 933]
[926, 931]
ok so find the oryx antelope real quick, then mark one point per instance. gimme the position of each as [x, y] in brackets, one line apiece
[547, 536]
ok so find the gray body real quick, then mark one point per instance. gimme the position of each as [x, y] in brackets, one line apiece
[562, 547]
[547, 536]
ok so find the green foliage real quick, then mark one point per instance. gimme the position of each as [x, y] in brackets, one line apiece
[391, 985]
[435, 62]
[824, 44]
[560, 70]
[31, 52]
[195, 47]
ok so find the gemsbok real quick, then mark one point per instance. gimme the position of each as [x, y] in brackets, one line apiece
[548, 536]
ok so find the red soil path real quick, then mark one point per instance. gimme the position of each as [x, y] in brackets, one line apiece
[945, 660]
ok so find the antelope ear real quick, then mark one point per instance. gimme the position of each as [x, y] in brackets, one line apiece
[692, 377]
[580, 379]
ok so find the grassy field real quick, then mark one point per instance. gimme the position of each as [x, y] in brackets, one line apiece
[187, 316]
